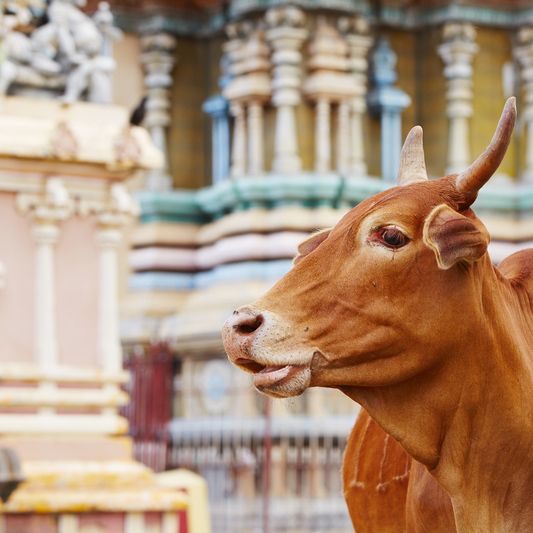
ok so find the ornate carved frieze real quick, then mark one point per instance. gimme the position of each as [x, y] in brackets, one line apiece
[69, 56]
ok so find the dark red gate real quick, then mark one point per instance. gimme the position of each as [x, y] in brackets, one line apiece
[150, 408]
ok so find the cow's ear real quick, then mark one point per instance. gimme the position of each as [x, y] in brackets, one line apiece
[453, 237]
[311, 243]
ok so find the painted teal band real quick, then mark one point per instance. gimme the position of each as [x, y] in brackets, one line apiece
[196, 24]
[237, 272]
[177, 205]
[484, 16]
[240, 7]
[307, 190]
[517, 199]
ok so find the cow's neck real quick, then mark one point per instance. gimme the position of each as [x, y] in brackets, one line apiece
[470, 422]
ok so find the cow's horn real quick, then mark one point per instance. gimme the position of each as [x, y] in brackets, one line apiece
[478, 173]
[412, 163]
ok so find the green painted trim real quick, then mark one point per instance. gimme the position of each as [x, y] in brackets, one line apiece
[181, 23]
[238, 8]
[191, 23]
[484, 16]
[517, 200]
[307, 190]
[170, 206]
[356, 190]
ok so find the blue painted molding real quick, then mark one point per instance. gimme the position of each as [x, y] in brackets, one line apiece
[309, 190]
[201, 24]
[238, 8]
[179, 281]
[171, 206]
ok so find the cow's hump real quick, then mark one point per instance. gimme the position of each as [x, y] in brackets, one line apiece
[518, 268]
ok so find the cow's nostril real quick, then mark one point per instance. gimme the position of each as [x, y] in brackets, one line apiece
[249, 324]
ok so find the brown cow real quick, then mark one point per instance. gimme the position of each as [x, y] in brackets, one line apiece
[400, 307]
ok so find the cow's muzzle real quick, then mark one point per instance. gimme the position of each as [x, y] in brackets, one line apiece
[257, 343]
[238, 335]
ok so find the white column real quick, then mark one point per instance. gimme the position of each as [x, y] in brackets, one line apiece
[109, 238]
[286, 35]
[134, 522]
[255, 138]
[457, 52]
[68, 523]
[343, 137]
[47, 210]
[238, 149]
[322, 136]
[170, 523]
[158, 60]
[524, 54]
[356, 32]
[247, 89]
[357, 160]
[45, 233]
[112, 214]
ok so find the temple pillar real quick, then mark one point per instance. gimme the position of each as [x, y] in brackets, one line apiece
[238, 148]
[457, 52]
[247, 91]
[158, 60]
[389, 102]
[255, 138]
[356, 31]
[343, 137]
[111, 216]
[47, 210]
[322, 136]
[524, 55]
[329, 81]
[218, 109]
[286, 35]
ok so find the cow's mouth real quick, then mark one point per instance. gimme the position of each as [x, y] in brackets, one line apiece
[273, 376]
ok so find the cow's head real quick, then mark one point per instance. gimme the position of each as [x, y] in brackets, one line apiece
[366, 300]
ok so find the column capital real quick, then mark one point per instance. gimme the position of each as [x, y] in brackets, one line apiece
[158, 60]
[48, 208]
[458, 49]
[114, 212]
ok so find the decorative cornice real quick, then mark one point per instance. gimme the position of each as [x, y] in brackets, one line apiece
[308, 190]
[239, 8]
[197, 23]
[483, 16]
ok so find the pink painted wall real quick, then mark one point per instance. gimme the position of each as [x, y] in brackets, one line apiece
[108, 522]
[16, 297]
[30, 523]
[77, 292]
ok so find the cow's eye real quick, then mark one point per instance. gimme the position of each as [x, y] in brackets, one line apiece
[391, 237]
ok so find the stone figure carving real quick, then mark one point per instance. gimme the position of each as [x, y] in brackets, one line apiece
[71, 53]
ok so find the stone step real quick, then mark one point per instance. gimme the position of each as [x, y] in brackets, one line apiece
[61, 398]
[69, 448]
[81, 424]
[85, 475]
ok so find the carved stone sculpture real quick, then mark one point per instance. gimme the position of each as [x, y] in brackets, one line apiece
[70, 54]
